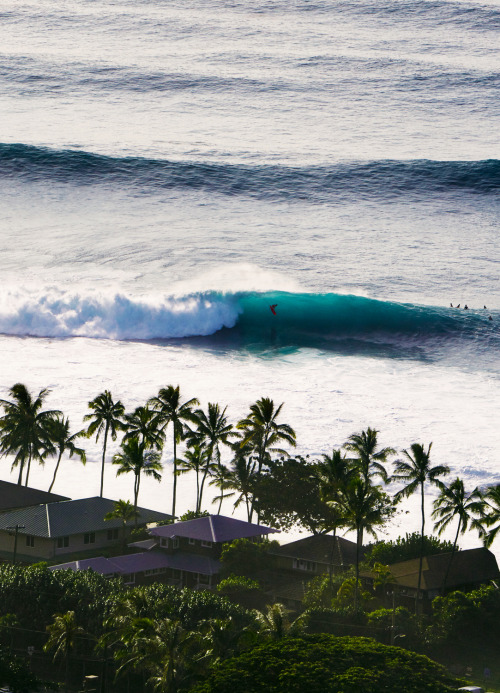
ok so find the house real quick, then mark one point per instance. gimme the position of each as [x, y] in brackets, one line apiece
[317, 554]
[14, 496]
[294, 564]
[469, 569]
[49, 530]
[185, 554]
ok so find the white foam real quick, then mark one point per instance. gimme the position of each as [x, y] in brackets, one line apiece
[55, 312]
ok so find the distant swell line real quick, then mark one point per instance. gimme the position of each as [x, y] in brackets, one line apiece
[370, 179]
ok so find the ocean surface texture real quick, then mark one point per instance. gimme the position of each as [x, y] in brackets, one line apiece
[169, 170]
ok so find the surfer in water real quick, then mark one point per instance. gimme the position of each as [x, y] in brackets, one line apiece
[273, 311]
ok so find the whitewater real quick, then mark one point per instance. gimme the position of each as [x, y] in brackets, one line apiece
[168, 171]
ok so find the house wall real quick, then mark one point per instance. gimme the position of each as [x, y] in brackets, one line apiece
[195, 546]
[31, 549]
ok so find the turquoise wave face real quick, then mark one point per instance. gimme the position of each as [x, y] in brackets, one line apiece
[330, 320]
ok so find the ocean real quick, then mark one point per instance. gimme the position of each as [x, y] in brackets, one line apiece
[169, 170]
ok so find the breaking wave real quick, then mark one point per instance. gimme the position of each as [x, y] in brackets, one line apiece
[302, 319]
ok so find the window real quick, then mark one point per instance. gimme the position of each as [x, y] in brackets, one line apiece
[129, 578]
[191, 541]
[203, 579]
[206, 543]
[62, 542]
[89, 538]
[304, 565]
[164, 542]
[175, 543]
[30, 540]
[112, 534]
[152, 571]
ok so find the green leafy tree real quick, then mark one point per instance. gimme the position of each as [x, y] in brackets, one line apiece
[262, 432]
[288, 494]
[107, 419]
[196, 459]
[136, 459]
[124, 511]
[245, 557]
[405, 549]
[454, 502]
[24, 428]
[370, 460]
[64, 441]
[319, 663]
[415, 471]
[173, 411]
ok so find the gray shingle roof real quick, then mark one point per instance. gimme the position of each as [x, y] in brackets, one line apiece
[61, 519]
[215, 528]
[138, 562]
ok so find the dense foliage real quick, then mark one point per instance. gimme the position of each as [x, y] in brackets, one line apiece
[405, 549]
[319, 663]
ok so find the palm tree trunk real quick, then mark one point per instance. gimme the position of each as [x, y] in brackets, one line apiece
[197, 489]
[358, 541]
[205, 472]
[55, 471]
[136, 496]
[28, 469]
[21, 470]
[420, 564]
[104, 456]
[451, 557]
[174, 491]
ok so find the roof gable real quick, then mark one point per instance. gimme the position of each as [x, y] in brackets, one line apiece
[321, 548]
[214, 528]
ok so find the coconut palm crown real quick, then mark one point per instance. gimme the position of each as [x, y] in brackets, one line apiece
[24, 428]
[107, 418]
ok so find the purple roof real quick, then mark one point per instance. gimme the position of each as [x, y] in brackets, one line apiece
[138, 562]
[215, 528]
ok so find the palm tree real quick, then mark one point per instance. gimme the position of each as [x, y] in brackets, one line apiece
[363, 508]
[64, 441]
[124, 511]
[106, 419]
[416, 470]
[261, 430]
[453, 501]
[24, 428]
[334, 472]
[490, 514]
[222, 480]
[145, 423]
[370, 461]
[275, 624]
[63, 633]
[195, 460]
[135, 458]
[171, 410]
[212, 430]
[242, 476]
